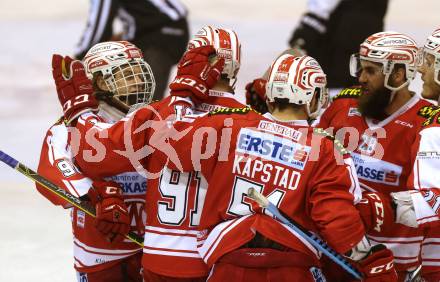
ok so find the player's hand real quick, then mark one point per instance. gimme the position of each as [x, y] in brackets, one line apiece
[112, 218]
[308, 36]
[256, 95]
[376, 211]
[74, 88]
[196, 74]
[378, 266]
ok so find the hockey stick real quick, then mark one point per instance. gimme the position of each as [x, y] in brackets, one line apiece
[366, 187]
[307, 235]
[80, 204]
[415, 275]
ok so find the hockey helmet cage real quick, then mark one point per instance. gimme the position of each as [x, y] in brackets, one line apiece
[128, 77]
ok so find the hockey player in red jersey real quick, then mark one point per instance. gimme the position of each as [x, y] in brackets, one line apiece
[421, 208]
[424, 177]
[113, 137]
[175, 204]
[299, 168]
[379, 122]
[101, 253]
[195, 76]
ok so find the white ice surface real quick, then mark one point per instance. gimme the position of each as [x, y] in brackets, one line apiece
[35, 237]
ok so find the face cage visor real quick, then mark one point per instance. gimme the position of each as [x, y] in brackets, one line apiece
[132, 83]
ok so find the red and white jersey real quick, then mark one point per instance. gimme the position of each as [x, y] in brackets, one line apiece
[217, 100]
[381, 151]
[91, 251]
[174, 209]
[139, 141]
[289, 162]
[425, 176]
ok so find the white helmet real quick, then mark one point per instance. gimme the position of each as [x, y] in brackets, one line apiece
[225, 42]
[388, 48]
[432, 46]
[298, 79]
[129, 78]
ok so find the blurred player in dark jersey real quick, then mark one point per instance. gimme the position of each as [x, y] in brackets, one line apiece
[158, 28]
[331, 30]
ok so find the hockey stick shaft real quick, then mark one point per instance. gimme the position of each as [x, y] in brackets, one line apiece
[311, 238]
[78, 203]
[414, 275]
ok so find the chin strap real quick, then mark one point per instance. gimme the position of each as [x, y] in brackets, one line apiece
[109, 112]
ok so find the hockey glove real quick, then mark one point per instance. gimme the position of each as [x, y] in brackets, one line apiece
[256, 95]
[378, 266]
[112, 218]
[308, 36]
[376, 211]
[74, 88]
[195, 73]
[405, 213]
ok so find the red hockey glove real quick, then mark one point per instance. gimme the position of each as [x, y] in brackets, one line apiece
[256, 95]
[112, 218]
[74, 88]
[376, 211]
[195, 73]
[378, 266]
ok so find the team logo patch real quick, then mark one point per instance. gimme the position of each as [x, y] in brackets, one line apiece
[368, 144]
[272, 148]
[354, 112]
[375, 170]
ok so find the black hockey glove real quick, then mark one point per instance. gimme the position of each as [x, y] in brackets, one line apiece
[308, 36]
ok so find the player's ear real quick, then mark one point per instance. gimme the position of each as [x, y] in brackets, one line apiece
[398, 74]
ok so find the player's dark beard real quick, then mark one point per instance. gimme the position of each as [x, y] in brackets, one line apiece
[373, 104]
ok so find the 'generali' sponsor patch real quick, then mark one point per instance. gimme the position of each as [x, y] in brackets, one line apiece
[286, 131]
[375, 170]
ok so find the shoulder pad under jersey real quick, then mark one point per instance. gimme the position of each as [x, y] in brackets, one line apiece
[338, 145]
[429, 113]
[349, 92]
[229, 111]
